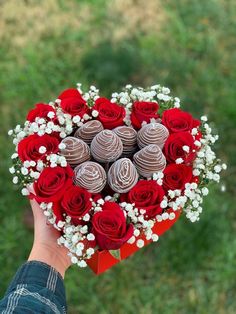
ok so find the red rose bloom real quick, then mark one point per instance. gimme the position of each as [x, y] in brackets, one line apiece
[110, 114]
[177, 120]
[28, 148]
[143, 111]
[175, 176]
[70, 92]
[41, 111]
[52, 184]
[73, 103]
[75, 203]
[173, 148]
[110, 227]
[146, 195]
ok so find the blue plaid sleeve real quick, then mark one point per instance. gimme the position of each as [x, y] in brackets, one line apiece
[35, 288]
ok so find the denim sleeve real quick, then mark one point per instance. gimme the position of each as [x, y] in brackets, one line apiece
[35, 288]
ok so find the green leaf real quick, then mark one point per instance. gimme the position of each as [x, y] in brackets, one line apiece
[116, 254]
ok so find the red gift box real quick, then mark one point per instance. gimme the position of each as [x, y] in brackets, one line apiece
[103, 260]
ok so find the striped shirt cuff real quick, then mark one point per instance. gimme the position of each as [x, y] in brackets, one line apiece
[40, 274]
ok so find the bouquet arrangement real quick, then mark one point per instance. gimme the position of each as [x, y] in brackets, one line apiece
[114, 174]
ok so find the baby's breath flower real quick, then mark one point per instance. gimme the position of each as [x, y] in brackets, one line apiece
[204, 118]
[90, 237]
[24, 171]
[95, 113]
[140, 243]
[25, 192]
[131, 240]
[15, 180]
[42, 149]
[82, 264]
[12, 170]
[224, 166]
[179, 161]
[14, 156]
[10, 132]
[186, 148]
[164, 203]
[165, 216]
[155, 237]
[90, 251]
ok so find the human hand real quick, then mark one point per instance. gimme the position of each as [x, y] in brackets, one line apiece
[45, 248]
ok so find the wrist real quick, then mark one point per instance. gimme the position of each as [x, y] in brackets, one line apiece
[44, 252]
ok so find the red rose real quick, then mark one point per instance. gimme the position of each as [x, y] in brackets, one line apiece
[41, 111]
[143, 111]
[110, 114]
[52, 184]
[173, 148]
[75, 203]
[28, 148]
[110, 227]
[146, 195]
[177, 120]
[175, 176]
[70, 92]
[73, 103]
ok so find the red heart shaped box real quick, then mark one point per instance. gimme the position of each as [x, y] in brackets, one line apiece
[103, 260]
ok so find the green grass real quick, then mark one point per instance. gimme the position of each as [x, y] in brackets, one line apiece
[186, 45]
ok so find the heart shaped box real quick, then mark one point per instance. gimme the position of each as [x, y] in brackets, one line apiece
[102, 260]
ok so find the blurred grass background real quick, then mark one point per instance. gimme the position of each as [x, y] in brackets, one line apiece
[187, 45]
